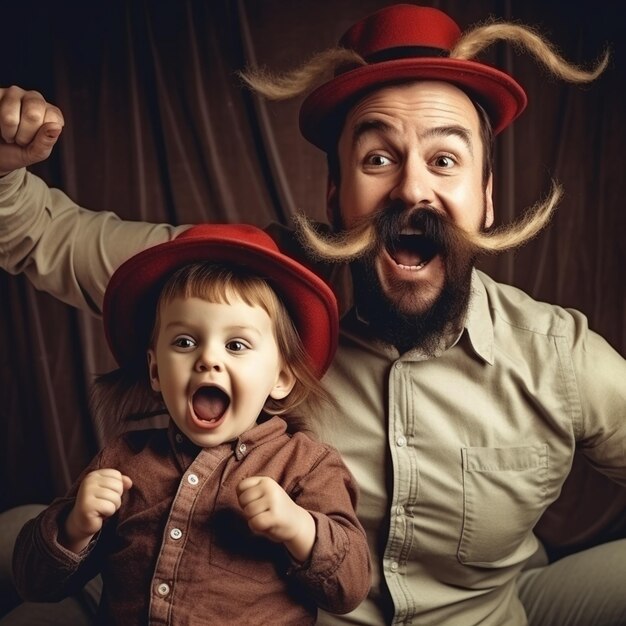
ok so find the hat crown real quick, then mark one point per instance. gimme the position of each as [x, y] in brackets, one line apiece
[247, 233]
[403, 43]
[402, 25]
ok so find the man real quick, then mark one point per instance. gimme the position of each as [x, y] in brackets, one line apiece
[460, 401]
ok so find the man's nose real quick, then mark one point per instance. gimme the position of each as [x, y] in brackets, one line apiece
[413, 184]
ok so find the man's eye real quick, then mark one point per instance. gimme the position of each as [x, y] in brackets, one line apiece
[377, 160]
[236, 346]
[184, 342]
[444, 161]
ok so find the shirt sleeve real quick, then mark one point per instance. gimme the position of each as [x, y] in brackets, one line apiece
[338, 572]
[64, 249]
[44, 570]
[599, 392]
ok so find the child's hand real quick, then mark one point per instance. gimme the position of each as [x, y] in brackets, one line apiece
[29, 128]
[99, 496]
[272, 513]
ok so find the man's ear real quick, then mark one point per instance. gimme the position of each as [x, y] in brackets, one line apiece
[332, 204]
[153, 371]
[489, 203]
[284, 384]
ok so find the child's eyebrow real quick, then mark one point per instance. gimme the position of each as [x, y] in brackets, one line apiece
[242, 328]
[234, 328]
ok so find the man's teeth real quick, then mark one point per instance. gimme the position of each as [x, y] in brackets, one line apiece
[412, 268]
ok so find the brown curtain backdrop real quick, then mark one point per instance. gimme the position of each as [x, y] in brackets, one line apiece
[159, 129]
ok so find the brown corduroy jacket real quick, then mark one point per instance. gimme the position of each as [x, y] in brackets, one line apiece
[179, 550]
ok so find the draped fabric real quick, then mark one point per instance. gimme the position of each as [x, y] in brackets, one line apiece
[159, 128]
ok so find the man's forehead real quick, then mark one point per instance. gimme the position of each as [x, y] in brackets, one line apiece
[429, 102]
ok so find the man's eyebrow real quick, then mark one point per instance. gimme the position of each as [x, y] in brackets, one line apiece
[453, 130]
[367, 126]
[378, 125]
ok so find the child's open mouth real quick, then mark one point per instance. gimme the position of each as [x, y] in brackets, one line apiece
[209, 406]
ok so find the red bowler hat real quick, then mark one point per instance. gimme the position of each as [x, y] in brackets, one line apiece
[132, 293]
[400, 43]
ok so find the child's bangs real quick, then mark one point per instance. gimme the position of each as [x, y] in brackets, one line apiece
[220, 285]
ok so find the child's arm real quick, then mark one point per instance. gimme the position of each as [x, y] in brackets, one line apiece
[272, 513]
[334, 564]
[45, 567]
[99, 497]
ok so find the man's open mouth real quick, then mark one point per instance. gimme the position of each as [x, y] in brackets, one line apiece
[413, 251]
[209, 405]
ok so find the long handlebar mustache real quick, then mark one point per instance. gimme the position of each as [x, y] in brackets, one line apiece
[380, 228]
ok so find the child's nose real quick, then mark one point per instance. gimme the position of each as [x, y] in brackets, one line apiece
[209, 361]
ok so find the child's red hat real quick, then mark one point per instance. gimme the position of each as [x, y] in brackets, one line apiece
[131, 296]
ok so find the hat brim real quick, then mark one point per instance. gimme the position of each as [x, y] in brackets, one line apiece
[323, 111]
[130, 300]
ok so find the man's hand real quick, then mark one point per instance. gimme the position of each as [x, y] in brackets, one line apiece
[99, 496]
[29, 128]
[272, 513]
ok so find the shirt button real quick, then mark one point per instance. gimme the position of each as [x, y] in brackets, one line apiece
[176, 533]
[394, 567]
[242, 448]
[192, 479]
[163, 589]
[401, 441]
[179, 438]
[399, 365]
[399, 510]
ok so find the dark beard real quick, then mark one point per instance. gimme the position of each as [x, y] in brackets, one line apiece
[388, 319]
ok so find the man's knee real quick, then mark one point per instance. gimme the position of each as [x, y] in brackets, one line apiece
[11, 522]
[78, 610]
[582, 589]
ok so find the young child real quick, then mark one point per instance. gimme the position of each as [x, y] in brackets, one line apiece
[223, 517]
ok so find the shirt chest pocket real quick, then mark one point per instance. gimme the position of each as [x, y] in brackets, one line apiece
[504, 493]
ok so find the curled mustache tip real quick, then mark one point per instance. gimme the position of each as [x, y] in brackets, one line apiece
[340, 247]
[522, 230]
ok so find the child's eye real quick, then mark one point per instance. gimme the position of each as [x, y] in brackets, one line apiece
[184, 342]
[236, 346]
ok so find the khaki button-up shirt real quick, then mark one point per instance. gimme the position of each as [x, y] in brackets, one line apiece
[457, 456]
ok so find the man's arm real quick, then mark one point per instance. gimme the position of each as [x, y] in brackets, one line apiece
[600, 375]
[29, 128]
[63, 249]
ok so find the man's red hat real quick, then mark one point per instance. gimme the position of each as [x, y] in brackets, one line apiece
[131, 296]
[405, 42]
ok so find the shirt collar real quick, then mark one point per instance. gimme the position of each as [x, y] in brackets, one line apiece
[259, 434]
[478, 322]
[186, 451]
